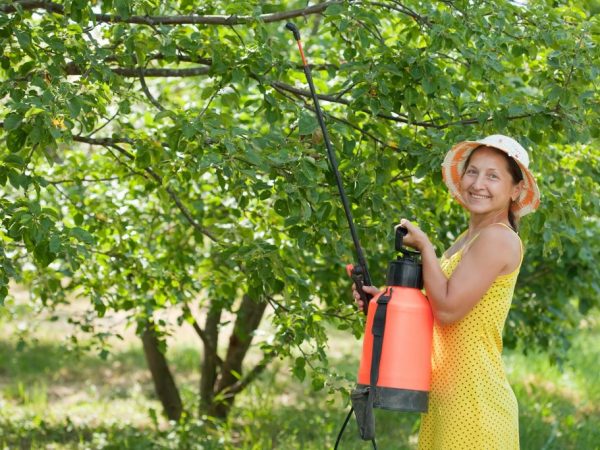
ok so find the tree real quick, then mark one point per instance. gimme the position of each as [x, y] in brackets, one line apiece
[164, 156]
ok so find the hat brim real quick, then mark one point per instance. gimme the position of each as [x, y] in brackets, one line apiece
[453, 168]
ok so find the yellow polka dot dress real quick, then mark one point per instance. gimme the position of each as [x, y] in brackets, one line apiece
[471, 405]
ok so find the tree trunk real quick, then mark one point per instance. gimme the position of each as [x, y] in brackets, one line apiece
[248, 318]
[210, 362]
[164, 383]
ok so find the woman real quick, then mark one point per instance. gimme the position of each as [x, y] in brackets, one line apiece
[471, 405]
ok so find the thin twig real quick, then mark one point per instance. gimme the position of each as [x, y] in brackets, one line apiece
[182, 208]
[148, 93]
[105, 124]
[88, 180]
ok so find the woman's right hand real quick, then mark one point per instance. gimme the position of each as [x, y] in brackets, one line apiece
[415, 238]
[368, 289]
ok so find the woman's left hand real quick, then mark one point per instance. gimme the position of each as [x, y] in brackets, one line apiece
[415, 238]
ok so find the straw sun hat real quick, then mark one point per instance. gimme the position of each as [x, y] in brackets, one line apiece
[454, 164]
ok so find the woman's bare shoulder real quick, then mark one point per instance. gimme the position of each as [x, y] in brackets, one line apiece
[499, 238]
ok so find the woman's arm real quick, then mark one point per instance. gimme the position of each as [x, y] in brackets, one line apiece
[495, 251]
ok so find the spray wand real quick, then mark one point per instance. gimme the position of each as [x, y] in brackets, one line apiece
[359, 273]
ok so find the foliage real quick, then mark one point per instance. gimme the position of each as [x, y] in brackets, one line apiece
[154, 166]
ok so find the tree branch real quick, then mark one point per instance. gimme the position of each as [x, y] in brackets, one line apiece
[137, 72]
[86, 180]
[175, 20]
[240, 385]
[148, 93]
[306, 105]
[397, 118]
[182, 207]
[335, 99]
[72, 69]
[169, 191]
[404, 10]
[202, 335]
[103, 141]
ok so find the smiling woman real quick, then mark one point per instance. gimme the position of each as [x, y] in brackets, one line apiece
[470, 290]
[471, 403]
[458, 160]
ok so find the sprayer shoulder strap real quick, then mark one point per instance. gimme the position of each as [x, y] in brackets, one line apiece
[378, 331]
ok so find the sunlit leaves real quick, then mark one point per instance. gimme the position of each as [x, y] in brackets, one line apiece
[233, 153]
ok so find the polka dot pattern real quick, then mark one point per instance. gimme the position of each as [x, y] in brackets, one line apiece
[471, 404]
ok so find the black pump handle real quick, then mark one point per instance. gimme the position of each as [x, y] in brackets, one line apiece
[400, 233]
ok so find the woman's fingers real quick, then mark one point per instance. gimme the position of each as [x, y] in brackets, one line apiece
[404, 223]
[415, 238]
[368, 289]
[371, 290]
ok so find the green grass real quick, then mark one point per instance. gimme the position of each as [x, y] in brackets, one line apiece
[560, 409]
[52, 398]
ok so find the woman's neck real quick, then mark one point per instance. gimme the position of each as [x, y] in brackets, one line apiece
[477, 222]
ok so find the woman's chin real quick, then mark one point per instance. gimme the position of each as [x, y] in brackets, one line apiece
[478, 208]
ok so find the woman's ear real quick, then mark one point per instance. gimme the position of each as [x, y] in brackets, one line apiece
[517, 189]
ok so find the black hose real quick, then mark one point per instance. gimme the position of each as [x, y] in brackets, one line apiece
[339, 438]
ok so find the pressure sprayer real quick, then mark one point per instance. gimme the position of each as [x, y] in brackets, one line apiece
[395, 368]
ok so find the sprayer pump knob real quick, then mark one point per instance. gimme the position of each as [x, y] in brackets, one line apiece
[400, 233]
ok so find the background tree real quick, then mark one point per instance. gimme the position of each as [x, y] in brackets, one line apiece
[162, 157]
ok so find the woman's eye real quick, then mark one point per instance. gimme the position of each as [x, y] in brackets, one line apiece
[493, 177]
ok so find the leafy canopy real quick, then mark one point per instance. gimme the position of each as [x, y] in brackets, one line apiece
[157, 155]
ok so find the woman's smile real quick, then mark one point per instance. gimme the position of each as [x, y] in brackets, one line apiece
[479, 196]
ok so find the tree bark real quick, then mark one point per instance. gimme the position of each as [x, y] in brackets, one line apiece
[175, 20]
[210, 361]
[248, 318]
[164, 383]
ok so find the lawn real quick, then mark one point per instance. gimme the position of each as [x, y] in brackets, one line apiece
[51, 398]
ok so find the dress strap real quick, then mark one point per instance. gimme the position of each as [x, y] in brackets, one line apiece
[468, 244]
[503, 224]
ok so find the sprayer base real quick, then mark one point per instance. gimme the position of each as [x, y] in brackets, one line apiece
[404, 400]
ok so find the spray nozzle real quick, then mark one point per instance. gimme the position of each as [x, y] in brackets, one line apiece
[294, 29]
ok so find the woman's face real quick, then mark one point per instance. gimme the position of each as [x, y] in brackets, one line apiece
[486, 185]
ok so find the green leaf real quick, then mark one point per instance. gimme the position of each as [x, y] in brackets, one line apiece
[81, 235]
[54, 244]
[299, 370]
[429, 85]
[334, 10]
[24, 39]
[16, 139]
[307, 123]
[12, 121]
[14, 160]
[122, 7]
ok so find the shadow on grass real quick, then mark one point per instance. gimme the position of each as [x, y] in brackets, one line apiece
[43, 359]
[51, 360]
[312, 428]
[38, 434]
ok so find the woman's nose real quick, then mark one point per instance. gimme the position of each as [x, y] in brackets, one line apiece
[478, 182]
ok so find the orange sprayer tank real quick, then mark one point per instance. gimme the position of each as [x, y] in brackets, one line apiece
[404, 375]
